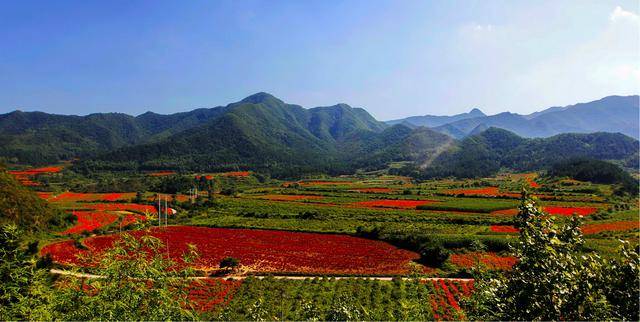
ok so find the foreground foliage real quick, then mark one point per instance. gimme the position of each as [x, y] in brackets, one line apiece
[554, 280]
[133, 285]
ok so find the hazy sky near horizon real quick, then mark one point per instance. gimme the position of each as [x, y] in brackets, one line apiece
[393, 58]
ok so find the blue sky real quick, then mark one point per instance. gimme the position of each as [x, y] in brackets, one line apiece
[394, 58]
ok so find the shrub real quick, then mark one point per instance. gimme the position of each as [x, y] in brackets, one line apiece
[434, 255]
[554, 279]
[229, 263]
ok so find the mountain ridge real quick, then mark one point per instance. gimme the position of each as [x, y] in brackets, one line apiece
[261, 132]
[613, 113]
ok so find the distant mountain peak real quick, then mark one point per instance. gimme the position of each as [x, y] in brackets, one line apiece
[260, 97]
[147, 113]
[476, 112]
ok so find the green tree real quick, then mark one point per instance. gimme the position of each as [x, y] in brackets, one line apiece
[555, 279]
[138, 283]
[24, 287]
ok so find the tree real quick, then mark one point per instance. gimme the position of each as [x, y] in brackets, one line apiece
[137, 283]
[24, 287]
[555, 279]
[433, 254]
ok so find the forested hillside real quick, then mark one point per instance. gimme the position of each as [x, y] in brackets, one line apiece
[261, 132]
[21, 206]
[265, 134]
[486, 153]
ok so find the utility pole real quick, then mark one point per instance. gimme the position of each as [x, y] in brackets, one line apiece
[159, 209]
[166, 211]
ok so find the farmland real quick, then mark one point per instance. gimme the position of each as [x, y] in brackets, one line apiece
[356, 227]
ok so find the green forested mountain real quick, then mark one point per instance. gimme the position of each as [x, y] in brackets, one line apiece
[485, 153]
[266, 134]
[41, 138]
[262, 132]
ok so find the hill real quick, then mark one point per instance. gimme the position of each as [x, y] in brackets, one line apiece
[596, 171]
[23, 207]
[41, 138]
[486, 153]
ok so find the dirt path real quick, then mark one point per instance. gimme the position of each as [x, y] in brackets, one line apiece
[285, 277]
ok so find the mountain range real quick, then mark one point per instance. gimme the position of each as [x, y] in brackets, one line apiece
[265, 134]
[610, 114]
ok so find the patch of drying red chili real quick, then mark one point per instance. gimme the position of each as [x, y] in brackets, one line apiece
[446, 297]
[90, 221]
[504, 229]
[610, 226]
[162, 173]
[237, 174]
[121, 207]
[267, 251]
[489, 259]
[77, 196]
[569, 211]
[207, 295]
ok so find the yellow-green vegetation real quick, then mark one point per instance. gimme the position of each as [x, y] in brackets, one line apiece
[21, 206]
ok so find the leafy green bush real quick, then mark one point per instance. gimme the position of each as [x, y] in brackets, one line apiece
[555, 280]
[434, 255]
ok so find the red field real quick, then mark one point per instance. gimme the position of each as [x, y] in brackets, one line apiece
[610, 226]
[236, 174]
[489, 259]
[505, 212]
[77, 196]
[504, 229]
[324, 183]
[33, 172]
[532, 183]
[446, 297]
[391, 203]
[130, 219]
[24, 176]
[121, 207]
[588, 229]
[553, 210]
[569, 211]
[487, 191]
[162, 173]
[211, 294]
[44, 195]
[289, 197]
[265, 251]
[90, 221]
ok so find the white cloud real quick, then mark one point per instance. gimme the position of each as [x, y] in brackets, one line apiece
[621, 14]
